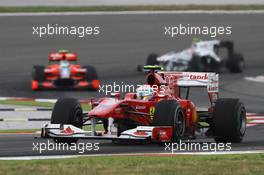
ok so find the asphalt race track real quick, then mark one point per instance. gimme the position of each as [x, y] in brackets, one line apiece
[22, 145]
[119, 2]
[124, 42]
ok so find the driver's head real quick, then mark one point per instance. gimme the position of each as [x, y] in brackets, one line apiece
[63, 51]
[144, 92]
[63, 57]
[196, 40]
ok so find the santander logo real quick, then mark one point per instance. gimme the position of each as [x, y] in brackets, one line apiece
[199, 77]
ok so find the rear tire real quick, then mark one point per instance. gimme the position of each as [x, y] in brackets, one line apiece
[67, 111]
[170, 113]
[38, 73]
[91, 75]
[229, 120]
[152, 59]
[38, 76]
[124, 125]
[236, 64]
[194, 64]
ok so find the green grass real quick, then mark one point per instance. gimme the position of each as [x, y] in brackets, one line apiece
[129, 8]
[99, 127]
[27, 103]
[19, 130]
[85, 107]
[181, 164]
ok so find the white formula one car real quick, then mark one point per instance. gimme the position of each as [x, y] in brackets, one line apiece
[202, 56]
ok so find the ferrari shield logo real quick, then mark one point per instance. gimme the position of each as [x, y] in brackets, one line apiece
[151, 111]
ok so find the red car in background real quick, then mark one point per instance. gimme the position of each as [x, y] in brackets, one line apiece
[63, 71]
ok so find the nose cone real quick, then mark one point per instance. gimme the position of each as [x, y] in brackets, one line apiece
[105, 107]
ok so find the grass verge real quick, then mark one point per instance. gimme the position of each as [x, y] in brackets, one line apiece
[19, 131]
[129, 8]
[26, 103]
[250, 164]
[86, 107]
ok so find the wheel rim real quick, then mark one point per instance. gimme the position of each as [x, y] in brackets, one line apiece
[243, 122]
[78, 117]
[179, 123]
[241, 65]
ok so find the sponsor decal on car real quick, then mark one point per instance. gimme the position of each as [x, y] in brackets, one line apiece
[151, 112]
[140, 107]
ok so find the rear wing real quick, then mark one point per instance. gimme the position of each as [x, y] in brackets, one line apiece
[193, 79]
[63, 56]
[183, 79]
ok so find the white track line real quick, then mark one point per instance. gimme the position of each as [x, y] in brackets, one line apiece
[132, 154]
[259, 79]
[46, 100]
[136, 12]
[37, 157]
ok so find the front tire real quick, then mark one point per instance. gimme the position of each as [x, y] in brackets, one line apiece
[67, 111]
[236, 64]
[170, 113]
[229, 120]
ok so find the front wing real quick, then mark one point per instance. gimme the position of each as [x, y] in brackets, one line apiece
[35, 85]
[157, 133]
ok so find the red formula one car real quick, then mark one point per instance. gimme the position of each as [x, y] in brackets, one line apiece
[157, 112]
[64, 72]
